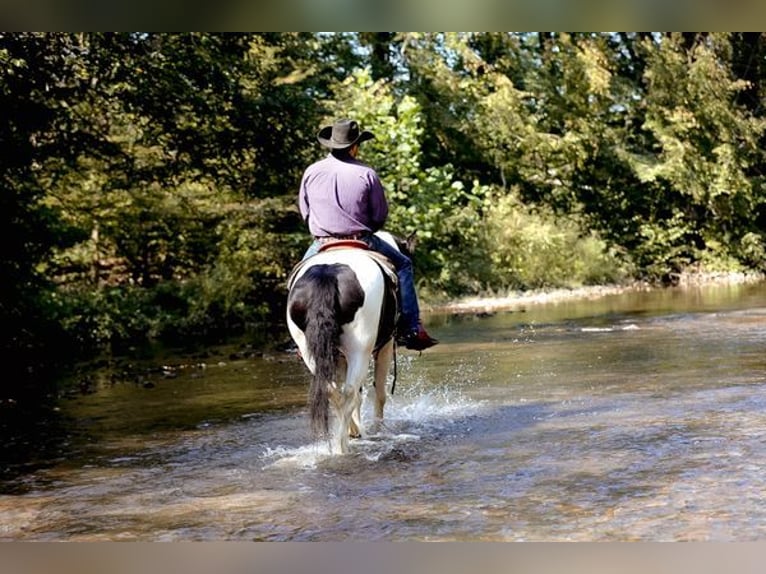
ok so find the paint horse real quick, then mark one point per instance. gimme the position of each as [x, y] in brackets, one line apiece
[342, 312]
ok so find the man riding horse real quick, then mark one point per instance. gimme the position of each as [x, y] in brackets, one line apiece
[342, 198]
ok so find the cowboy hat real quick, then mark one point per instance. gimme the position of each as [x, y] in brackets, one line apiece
[343, 134]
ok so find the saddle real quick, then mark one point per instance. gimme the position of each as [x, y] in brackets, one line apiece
[341, 243]
[389, 271]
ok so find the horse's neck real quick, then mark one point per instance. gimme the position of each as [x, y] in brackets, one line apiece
[388, 238]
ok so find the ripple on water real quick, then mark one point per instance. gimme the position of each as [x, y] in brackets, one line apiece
[601, 421]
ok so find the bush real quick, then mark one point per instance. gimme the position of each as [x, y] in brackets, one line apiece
[534, 248]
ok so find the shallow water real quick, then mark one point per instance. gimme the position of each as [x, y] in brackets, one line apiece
[639, 416]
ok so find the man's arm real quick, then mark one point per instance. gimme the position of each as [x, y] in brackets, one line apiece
[378, 203]
[303, 201]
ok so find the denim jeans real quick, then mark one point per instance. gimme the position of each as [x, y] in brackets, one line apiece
[408, 299]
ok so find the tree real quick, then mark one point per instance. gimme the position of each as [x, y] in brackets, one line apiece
[705, 146]
[33, 85]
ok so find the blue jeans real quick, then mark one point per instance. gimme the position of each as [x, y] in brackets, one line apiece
[409, 308]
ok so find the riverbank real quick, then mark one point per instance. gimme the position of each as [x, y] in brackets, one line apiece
[521, 299]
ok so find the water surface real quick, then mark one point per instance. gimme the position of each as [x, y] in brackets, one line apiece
[639, 416]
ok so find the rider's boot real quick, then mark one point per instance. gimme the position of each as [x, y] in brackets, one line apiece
[417, 340]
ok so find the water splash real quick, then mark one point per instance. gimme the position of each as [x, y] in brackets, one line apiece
[418, 413]
[304, 456]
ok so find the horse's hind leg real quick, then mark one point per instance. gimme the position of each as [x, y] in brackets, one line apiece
[349, 406]
[383, 362]
[344, 426]
[355, 425]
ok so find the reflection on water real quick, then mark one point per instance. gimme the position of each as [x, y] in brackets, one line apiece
[633, 417]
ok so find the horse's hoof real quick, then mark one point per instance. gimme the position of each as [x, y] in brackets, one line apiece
[354, 435]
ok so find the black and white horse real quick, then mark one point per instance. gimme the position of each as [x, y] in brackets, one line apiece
[342, 313]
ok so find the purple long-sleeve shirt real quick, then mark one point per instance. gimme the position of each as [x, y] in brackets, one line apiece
[341, 197]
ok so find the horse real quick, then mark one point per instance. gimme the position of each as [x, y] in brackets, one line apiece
[342, 311]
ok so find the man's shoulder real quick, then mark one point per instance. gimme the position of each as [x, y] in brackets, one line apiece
[332, 163]
[321, 161]
[359, 166]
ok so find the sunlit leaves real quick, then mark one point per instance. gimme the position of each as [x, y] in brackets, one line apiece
[706, 145]
[170, 162]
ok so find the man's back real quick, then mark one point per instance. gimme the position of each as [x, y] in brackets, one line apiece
[342, 196]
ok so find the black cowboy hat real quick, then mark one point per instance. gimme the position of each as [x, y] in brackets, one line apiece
[343, 134]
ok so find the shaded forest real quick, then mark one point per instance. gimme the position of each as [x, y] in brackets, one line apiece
[149, 181]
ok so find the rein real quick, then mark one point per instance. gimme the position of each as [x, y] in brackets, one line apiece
[393, 382]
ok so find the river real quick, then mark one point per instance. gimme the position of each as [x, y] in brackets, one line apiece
[638, 416]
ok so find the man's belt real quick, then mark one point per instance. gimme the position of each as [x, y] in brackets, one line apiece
[355, 237]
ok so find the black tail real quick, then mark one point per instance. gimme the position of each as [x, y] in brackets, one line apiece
[322, 332]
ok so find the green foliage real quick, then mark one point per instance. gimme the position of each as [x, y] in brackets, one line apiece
[28, 92]
[752, 251]
[149, 179]
[108, 316]
[665, 246]
[469, 238]
[153, 142]
[704, 148]
[534, 248]
[245, 283]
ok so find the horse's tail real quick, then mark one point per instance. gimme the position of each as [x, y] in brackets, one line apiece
[322, 339]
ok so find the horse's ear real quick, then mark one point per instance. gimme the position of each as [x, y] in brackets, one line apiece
[411, 241]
